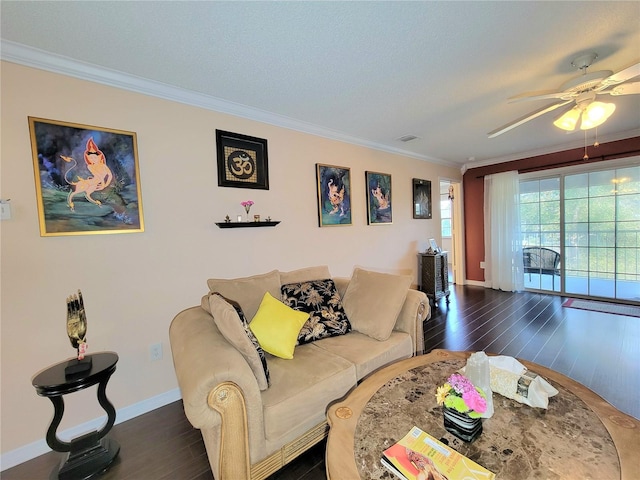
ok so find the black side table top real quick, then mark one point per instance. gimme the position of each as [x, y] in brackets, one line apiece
[52, 381]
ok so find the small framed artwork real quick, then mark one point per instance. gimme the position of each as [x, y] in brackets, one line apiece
[433, 246]
[421, 198]
[334, 195]
[378, 198]
[242, 161]
[87, 179]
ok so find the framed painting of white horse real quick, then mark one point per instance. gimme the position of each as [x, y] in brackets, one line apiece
[87, 179]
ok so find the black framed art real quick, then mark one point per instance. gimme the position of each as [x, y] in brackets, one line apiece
[421, 198]
[242, 161]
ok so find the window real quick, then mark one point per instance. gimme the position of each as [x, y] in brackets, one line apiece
[602, 239]
[540, 226]
[592, 220]
[445, 210]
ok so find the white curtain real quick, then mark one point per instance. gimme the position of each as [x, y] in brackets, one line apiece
[502, 244]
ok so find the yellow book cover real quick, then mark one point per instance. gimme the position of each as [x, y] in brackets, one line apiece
[419, 456]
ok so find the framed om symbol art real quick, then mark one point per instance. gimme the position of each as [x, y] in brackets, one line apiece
[242, 161]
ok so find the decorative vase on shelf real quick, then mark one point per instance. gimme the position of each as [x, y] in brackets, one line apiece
[461, 425]
[247, 206]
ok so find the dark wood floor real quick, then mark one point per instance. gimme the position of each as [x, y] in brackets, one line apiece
[599, 350]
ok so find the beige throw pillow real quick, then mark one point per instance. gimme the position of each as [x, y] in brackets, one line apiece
[373, 301]
[229, 320]
[305, 275]
[247, 291]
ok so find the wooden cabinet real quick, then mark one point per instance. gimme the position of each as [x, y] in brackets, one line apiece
[434, 275]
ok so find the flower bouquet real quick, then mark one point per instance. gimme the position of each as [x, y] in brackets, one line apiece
[463, 404]
[247, 206]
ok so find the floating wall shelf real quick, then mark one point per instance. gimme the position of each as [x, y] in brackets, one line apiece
[246, 224]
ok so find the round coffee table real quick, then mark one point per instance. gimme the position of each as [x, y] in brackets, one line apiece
[579, 432]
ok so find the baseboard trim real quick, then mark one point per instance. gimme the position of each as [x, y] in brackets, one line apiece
[35, 449]
[477, 283]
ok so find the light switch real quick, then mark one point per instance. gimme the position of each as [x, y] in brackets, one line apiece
[5, 210]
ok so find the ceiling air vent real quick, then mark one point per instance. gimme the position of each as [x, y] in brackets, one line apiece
[406, 138]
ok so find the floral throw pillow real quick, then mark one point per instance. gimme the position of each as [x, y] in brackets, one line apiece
[321, 300]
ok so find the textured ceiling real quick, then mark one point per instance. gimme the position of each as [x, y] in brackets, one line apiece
[365, 72]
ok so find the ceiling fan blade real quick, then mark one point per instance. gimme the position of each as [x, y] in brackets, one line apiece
[623, 75]
[526, 118]
[542, 95]
[625, 89]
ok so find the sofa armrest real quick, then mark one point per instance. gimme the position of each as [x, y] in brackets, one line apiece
[204, 363]
[415, 311]
[203, 359]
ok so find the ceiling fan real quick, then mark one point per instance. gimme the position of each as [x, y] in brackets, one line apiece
[582, 92]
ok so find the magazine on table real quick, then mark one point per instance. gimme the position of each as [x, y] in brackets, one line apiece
[419, 456]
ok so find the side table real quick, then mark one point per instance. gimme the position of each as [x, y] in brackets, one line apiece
[433, 271]
[91, 453]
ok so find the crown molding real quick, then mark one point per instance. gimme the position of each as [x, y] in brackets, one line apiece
[43, 60]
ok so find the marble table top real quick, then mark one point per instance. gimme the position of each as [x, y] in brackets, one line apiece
[518, 442]
[566, 441]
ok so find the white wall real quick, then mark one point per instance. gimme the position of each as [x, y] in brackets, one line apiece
[447, 245]
[134, 284]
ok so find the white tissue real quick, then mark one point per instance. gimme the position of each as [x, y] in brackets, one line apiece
[512, 379]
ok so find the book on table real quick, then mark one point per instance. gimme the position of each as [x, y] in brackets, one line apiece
[419, 456]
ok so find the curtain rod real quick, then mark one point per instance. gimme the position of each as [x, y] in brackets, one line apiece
[569, 163]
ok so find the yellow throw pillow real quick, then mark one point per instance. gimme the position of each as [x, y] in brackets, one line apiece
[276, 326]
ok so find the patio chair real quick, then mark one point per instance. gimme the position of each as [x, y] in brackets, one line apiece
[542, 261]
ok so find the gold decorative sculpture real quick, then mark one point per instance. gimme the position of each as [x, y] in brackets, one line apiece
[77, 332]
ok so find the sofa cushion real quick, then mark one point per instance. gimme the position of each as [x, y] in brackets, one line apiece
[247, 291]
[366, 353]
[321, 300]
[302, 389]
[231, 322]
[373, 301]
[277, 326]
[305, 274]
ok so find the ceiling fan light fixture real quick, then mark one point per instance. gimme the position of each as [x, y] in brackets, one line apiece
[596, 114]
[568, 120]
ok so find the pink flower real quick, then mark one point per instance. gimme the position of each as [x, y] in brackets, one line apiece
[459, 390]
[460, 383]
[474, 401]
[247, 205]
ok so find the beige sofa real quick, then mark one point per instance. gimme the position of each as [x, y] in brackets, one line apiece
[251, 433]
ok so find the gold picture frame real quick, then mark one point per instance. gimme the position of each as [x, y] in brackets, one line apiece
[87, 179]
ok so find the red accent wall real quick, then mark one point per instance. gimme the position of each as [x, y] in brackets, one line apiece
[473, 185]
